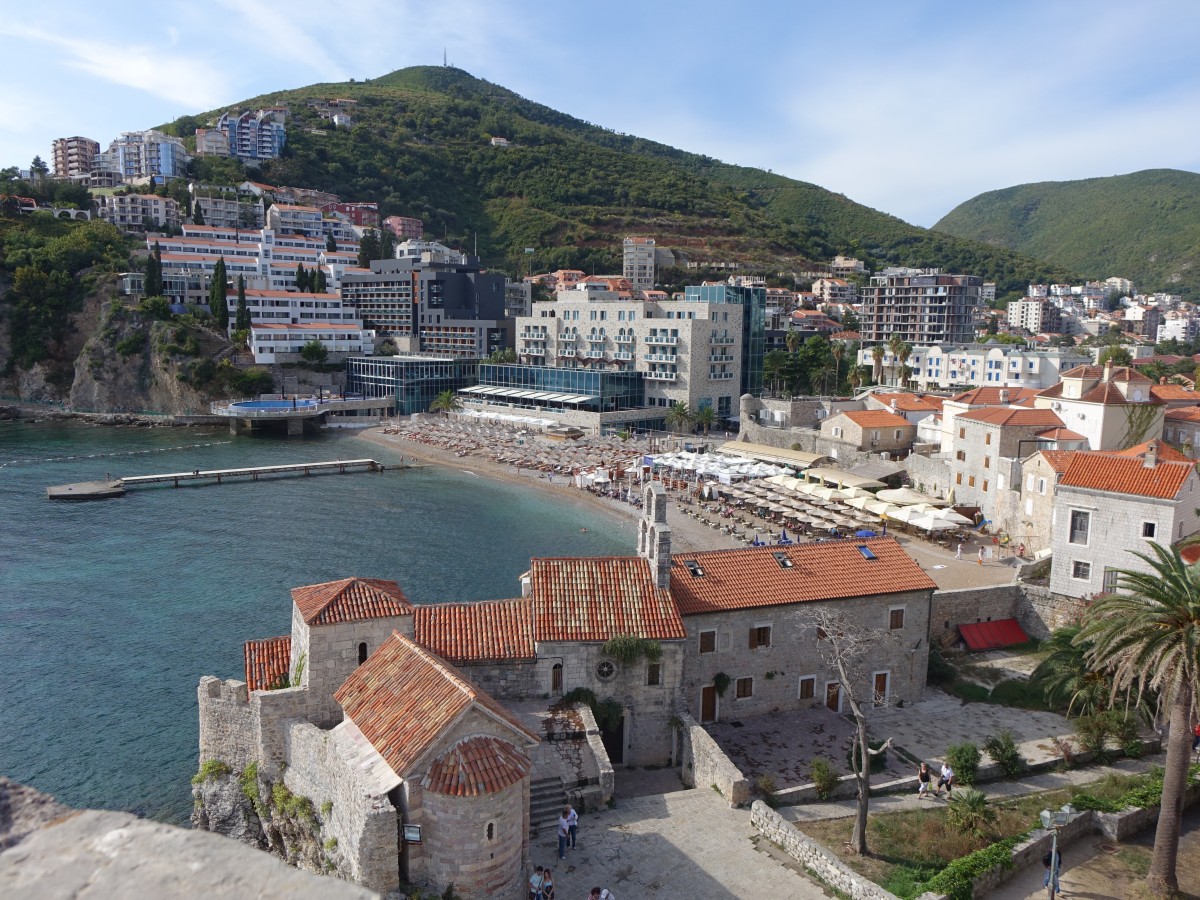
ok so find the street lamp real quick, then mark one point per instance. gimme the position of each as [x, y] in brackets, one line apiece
[1055, 820]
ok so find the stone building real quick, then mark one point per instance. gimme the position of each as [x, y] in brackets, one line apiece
[871, 430]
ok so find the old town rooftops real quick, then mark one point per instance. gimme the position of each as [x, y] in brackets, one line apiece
[350, 600]
[720, 580]
[477, 632]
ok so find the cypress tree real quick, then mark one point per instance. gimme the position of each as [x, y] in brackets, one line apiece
[242, 319]
[320, 282]
[217, 300]
[301, 278]
[197, 215]
[368, 248]
[331, 244]
[387, 244]
[154, 286]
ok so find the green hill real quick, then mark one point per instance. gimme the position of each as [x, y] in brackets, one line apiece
[1144, 226]
[420, 146]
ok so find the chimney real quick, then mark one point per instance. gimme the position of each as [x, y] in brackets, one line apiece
[1162, 379]
[1003, 396]
[1107, 371]
[893, 403]
[1150, 460]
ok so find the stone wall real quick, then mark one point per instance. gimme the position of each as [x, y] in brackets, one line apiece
[363, 822]
[227, 725]
[477, 843]
[597, 769]
[704, 763]
[508, 680]
[823, 863]
[929, 475]
[1041, 611]
[970, 605]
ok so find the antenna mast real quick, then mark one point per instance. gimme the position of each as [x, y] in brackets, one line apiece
[444, 63]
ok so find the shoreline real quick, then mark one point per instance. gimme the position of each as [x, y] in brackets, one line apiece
[686, 534]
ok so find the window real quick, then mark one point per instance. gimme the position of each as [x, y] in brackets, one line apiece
[1080, 522]
[708, 642]
[896, 618]
[1081, 570]
[362, 653]
[987, 462]
[1148, 529]
[987, 438]
[745, 688]
[985, 485]
[1112, 578]
[808, 687]
[970, 481]
[958, 478]
[654, 674]
[760, 636]
[605, 670]
[960, 455]
[1041, 485]
[491, 831]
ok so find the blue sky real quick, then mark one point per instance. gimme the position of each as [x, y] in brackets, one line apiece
[909, 106]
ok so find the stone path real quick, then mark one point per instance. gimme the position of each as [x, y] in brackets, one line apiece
[687, 844]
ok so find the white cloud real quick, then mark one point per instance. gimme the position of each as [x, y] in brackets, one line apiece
[158, 70]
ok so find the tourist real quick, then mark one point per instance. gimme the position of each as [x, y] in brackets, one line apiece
[572, 823]
[981, 556]
[564, 833]
[1196, 737]
[947, 780]
[958, 552]
[1053, 864]
[547, 885]
[535, 884]
[924, 777]
[598, 894]
[1021, 550]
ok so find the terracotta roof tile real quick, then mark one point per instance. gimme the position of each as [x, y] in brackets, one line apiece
[1183, 414]
[1003, 415]
[350, 600]
[1174, 392]
[403, 697]
[1058, 460]
[876, 418]
[267, 662]
[594, 599]
[1085, 371]
[476, 766]
[475, 632]
[990, 396]
[909, 402]
[1125, 475]
[1166, 453]
[1060, 434]
[830, 570]
[1108, 393]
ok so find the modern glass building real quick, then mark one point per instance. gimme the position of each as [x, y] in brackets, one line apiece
[548, 387]
[753, 301]
[413, 381]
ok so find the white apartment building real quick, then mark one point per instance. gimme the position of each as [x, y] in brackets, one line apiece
[283, 343]
[835, 290]
[142, 154]
[1035, 316]
[846, 267]
[227, 207]
[289, 218]
[132, 212]
[689, 352]
[295, 308]
[73, 157]
[1180, 325]
[951, 366]
[638, 265]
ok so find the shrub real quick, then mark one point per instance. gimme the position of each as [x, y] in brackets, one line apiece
[1066, 749]
[824, 777]
[212, 768]
[878, 762]
[721, 683]
[940, 671]
[955, 881]
[156, 308]
[1093, 733]
[969, 811]
[133, 343]
[1126, 733]
[1004, 753]
[628, 648]
[964, 760]
[314, 352]
[249, 783]
[251, 381]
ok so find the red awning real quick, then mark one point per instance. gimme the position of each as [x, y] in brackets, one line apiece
[990, 635]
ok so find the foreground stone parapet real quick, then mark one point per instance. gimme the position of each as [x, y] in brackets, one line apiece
[97, 854]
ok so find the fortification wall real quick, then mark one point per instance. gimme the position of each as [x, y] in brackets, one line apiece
[508, 681]
[970, 605]
[705, 763]
[228, 727]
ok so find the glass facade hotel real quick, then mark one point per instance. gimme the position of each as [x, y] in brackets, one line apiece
[549, 387]
[753, 301]
[413, 381]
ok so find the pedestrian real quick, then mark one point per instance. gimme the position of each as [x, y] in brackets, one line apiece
[924, 777]
[599, 894]
[1196, 737]
[947, 779]
[564, 833]
[572, 820]
[981, 556]
[535, 884]
[958, 552]
[547, 885]
[1021, 550]
[1053, 864]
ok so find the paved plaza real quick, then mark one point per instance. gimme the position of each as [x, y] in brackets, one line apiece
[686, 844]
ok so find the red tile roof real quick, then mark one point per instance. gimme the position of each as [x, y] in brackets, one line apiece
[1183, 414]
[1058, 460]
[476, 766]
[875, 418]
[476, 632]
[594, 599]
[1166, 453]
[830, 570]
[1003, 415]
[1108, 393]
[267, 662]
[1085, 371]
[909, 402]
[1060, 434]
[1174, 392]
[403, 697]
[845, 336]
[350, 600]
[1125, 475]
[990, 396]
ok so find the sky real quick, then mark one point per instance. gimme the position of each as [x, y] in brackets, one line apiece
[907, 106]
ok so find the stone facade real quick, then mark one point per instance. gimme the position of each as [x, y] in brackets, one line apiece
[929, 474]
[970, 605]
[775, 671]
[870, 431]
[702, 761]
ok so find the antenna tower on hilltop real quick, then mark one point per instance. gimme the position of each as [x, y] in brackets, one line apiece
[444, 63]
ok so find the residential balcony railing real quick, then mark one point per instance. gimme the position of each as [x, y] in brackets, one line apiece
[625, 339]
[534, 351]
[661, 357]
[720, 376]
[662, 339]
[723, 340]
[661, 376]
[622, 354]
[721, 358]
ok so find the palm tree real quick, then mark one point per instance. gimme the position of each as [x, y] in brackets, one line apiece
[678, 417]
[705, 417]
[838, 350]
[822, 376]
[877, 363]
[1148, 637]
[794, 339]
[895, 344]
[1066, 679]
[445, 402]
[903, 355]
[773, 365]
[857, 376]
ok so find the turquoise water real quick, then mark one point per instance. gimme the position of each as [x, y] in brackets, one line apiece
[111, 611]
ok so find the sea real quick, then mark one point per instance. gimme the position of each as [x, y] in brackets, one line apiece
[111, 611]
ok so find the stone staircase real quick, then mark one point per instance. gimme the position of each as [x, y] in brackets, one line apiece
[547, 797]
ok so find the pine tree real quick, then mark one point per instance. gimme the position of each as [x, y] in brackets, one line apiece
[242, 319]
[217, 300]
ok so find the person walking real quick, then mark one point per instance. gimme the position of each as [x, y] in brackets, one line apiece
[572, 821]
[564, 834]
[1053, 864]
[601, 894]
[535, 884]
[958, 552]
[981, 556]
[924, 781]
[947, 780]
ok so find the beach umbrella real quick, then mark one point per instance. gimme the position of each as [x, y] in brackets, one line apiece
[880, 508]
[930, 524]
[865, 533]
[859, 502]
[949, 515]
[908, 497]
[756, 542]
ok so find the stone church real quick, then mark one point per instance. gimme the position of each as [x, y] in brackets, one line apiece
[389, 743]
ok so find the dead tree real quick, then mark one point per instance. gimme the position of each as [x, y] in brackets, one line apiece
[846, 650]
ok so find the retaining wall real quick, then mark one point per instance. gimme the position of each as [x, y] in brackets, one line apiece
[969, 605]
[1041, 610]
[704, 763]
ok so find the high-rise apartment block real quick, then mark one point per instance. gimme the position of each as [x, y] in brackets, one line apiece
[923, 307]
[249, 136]
[405, 228]
[752, 303]
[1035, 316]
[639, 262]
[74, 157]
[144, 154]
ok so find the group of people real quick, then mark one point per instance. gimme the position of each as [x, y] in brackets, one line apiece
[541, 882]
[925, 781]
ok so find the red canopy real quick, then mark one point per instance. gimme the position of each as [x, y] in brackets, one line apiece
[990, 635]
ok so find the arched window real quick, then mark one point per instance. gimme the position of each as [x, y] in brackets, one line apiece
[362, 653]
[491, 831]
[556, 678]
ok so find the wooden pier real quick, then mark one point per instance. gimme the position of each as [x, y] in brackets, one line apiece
[115, 487]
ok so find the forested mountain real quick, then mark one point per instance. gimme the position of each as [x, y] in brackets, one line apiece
[1144, 226]
[420, 146]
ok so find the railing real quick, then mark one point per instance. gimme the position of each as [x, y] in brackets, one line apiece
[622, 354]
[661, 376]
[720, 376]
[722, 358]
[661, 357]
[534, 351]
[662, 339]
[724, 340]
[625, 339]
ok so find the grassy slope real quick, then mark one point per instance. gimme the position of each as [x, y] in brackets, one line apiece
[1144, 226]
[419, 146]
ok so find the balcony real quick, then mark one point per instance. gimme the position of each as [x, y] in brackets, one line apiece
[661, 357]
[661, 376]
[534, 351]
[721, 358]
[723, 340]
[662, 339]
[625, 339]
[720, 376]
[622, 354]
